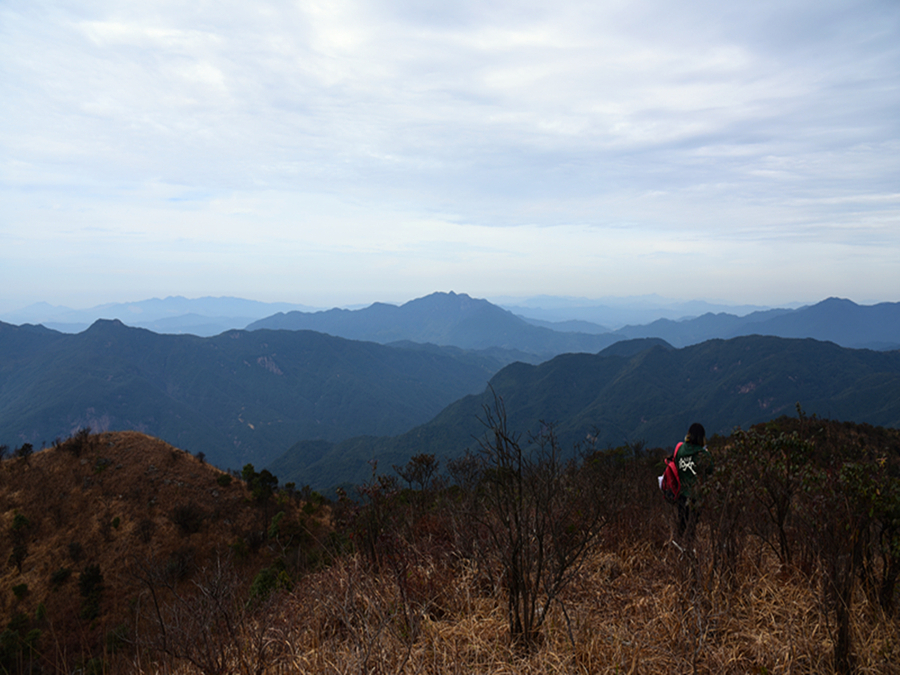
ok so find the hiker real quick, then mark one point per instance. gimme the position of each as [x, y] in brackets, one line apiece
[690, 462]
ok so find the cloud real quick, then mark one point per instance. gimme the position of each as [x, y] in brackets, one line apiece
[390, 128]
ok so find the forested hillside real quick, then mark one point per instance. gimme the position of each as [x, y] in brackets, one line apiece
[238, 397]
[630, 394]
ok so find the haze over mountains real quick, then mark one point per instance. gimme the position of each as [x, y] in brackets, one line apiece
[197, 316]
[469, 323]
[213, 315]
[457, 319]
[341, 386]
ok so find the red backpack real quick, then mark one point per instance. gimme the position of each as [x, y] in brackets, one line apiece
[670, 482]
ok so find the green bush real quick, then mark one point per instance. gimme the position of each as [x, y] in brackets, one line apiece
[268, 581]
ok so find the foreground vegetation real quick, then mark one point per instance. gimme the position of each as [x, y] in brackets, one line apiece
[510, 559]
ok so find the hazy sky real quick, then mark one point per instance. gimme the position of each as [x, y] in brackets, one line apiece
[342, 151]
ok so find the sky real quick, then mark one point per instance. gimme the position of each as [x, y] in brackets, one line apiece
[343, 152]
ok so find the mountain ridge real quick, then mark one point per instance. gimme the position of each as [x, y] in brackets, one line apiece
[205, 316]
[458, 320]
[637, 394]
[236, 397]
[444, 319]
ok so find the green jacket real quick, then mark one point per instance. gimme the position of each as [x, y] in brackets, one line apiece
[694, 462]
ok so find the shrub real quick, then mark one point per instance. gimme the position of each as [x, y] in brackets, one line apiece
[540, 513]
[266, 582]
[275, 525]
[188, 518]
[60, 576]
[79, 442]
[24, 452]
[18, 555]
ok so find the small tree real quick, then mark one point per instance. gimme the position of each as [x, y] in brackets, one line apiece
[376, 517]
[419, 472]
[24, 452]
[79, 442]
[541, 514]
[420, 475]
[262, 486]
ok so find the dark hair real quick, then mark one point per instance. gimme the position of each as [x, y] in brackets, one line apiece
[696, 435]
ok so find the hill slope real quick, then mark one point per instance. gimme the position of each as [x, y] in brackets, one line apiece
[124, 505]
[238, 397]
[653, 395]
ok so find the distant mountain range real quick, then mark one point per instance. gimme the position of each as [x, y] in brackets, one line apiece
[840, 321]
[527, 332]
[616, 312]
[642, 390]
[442, 319]
[213, 315]
[238, 397]
[175, 314]
[461, 321]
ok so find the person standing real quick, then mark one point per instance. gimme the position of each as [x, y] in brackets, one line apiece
[694, 462]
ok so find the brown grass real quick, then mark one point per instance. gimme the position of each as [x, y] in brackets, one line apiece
[639, 604]
[638, 609]
[70, 499]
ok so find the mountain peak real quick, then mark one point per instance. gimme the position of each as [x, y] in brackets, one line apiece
[106, 323]
[107, 327]
[456, 301]
[835, 302]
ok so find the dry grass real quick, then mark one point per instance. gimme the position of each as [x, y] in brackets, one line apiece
[638, 604]
[115, 501]
[638, 609]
